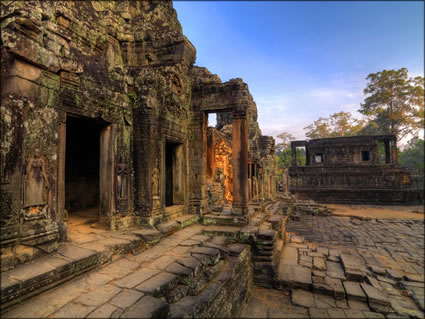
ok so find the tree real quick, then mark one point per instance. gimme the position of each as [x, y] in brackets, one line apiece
[337, 125]
[319, 129]
[413, 155]
[284, 153]
[394, 103]
[286, 140]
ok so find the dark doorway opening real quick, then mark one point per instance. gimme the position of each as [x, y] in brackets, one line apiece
[174, 174]
[82, 166]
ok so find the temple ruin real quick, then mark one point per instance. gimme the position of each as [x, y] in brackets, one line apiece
[118, 200]
[352, 170]
[103, 110]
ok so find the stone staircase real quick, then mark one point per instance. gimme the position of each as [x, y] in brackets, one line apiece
[264, 233]
[209, 281]
[190, 275]
[71, 259]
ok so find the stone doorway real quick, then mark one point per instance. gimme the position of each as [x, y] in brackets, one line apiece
[85, 176]
[174, 177]
[82, 165]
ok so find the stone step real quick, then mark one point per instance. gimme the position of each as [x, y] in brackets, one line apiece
[149, 235]
[167, 228]
[71, 260]
[187, 220]
[199, 284]
[223, 219]
[216, 298]
[230, 232]
[32, 278]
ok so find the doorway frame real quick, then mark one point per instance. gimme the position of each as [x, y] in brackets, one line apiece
[106, 168]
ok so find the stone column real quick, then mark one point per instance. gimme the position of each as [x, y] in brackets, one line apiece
[387, 152]
[240, 165]
[198, 199]
[394, 151]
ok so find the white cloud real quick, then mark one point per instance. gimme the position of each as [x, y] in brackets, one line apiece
[295, 110]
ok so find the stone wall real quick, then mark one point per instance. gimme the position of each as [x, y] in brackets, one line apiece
[126, 70]
[351, 170]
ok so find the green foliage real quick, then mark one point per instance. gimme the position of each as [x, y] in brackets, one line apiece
[337, 125]
[284, 159]
[286, 141]
[413, 155]
[284, 153]
[394, 103]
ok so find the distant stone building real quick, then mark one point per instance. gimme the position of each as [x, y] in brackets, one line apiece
[102, 106]
[352, 170]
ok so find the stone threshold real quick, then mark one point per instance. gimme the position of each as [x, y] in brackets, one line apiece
[72, 259]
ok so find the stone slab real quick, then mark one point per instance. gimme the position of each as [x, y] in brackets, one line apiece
[98, 296]
[148, 235]
[148, 307]
[302, 298]
[354, 290]
[137, 277]
[168, 227]
[126, 298]
[159, 285]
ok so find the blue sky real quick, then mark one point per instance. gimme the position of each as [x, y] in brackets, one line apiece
[304, 60]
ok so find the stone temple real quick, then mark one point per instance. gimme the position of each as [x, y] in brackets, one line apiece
[118, 200]
[103, 107]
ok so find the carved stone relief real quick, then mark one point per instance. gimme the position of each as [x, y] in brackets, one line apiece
[121, 189]
[36, 185]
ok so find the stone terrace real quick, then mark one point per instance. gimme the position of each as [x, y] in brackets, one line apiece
[346, 267]
[338, 267]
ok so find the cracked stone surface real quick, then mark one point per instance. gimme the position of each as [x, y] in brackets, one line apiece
[360, 268]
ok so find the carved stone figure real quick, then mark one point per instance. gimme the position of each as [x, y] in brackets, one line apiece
[122, 181]
[122, 187]
[155, 182]
[35, 181]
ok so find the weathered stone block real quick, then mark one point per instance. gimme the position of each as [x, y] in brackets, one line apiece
[159, 285]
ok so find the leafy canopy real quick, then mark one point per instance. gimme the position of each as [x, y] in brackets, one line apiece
[413, 155]
[394, 103]
[284, 153]
[336, 125]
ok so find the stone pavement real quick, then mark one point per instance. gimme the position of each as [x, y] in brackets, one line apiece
[185, 273]
[345, 267]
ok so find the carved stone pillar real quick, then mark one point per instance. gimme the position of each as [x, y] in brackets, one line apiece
[394, 152]
[198, 201]
[240, 165]
[387, 152]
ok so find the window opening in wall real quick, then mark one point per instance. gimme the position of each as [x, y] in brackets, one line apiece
[300, 154]
[318, 158]
[365, 156]
[212, 119]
